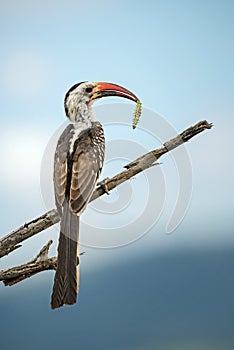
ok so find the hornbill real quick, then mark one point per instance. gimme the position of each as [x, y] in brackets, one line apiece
[78, 163]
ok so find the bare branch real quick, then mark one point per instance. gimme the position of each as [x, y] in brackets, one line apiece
[11, 241]
[40, 263]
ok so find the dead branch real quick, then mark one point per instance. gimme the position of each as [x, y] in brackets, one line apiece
[12, 240]
[40, 263]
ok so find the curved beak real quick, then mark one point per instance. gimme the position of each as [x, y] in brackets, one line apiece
[108, 89]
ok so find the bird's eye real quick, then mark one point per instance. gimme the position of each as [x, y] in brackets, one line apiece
[89, 89]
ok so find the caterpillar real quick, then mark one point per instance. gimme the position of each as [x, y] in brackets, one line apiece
[137, 114]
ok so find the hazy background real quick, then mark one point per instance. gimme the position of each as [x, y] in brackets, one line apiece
[163, 292]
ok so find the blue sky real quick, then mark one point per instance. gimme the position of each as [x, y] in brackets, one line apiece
[177, 56]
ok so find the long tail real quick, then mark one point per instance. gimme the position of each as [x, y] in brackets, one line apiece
[66, 279]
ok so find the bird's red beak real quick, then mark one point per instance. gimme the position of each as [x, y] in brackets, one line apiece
[108, 89]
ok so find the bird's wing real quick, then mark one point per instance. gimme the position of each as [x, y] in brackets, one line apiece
[76, 171]
[87, 162]
[61, 167]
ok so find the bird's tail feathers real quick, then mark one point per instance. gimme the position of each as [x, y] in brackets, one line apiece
[66, 279]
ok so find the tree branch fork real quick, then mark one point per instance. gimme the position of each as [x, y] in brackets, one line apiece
[42, 261]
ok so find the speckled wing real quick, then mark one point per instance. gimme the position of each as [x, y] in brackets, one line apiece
[77, 166]
[61, 167]
[87, 162]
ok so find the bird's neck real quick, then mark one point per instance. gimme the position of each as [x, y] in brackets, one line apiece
[81, 123]
[83, 117]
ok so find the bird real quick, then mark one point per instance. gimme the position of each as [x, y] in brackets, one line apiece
[78, 162]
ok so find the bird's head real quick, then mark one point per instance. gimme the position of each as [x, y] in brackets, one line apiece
[80, 97]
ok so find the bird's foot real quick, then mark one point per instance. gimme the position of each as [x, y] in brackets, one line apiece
[103, 185]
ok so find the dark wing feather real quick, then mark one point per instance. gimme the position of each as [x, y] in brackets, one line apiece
[87, 162]
[61, 167]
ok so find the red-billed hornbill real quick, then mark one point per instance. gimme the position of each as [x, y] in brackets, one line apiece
[78, 163]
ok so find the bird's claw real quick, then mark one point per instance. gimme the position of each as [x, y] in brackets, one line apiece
[103, 185]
